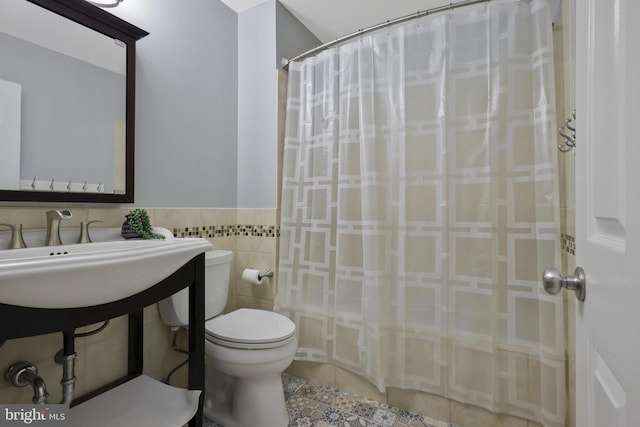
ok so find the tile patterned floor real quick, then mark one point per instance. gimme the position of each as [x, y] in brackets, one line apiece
[314, 405]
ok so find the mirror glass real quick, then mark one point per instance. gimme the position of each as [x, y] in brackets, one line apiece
[63, 106]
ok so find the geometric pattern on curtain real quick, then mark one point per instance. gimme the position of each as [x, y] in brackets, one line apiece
[420, 206]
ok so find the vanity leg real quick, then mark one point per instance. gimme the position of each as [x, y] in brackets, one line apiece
[196, 336]
[136, 343]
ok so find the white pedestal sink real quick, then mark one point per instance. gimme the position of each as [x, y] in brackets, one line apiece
[82, 275]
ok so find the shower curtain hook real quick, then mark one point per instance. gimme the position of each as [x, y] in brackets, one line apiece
[562, 133]
[568, 124]
[564, 149]
[569, 139]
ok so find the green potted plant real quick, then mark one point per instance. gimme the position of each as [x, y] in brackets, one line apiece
[138, 225]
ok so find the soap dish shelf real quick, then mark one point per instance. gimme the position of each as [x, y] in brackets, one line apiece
[141, 401]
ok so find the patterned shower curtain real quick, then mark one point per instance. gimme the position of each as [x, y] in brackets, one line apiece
[420, 207]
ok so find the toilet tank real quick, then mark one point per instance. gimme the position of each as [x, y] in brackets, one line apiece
[174, 310]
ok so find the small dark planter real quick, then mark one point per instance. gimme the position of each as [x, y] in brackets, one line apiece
[127, 232]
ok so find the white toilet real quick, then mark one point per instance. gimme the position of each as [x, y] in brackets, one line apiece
[251, 347]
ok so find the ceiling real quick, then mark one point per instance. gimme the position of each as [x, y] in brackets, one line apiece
[330, 19]
[323, 20]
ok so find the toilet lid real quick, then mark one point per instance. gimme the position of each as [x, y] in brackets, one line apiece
[247, 325]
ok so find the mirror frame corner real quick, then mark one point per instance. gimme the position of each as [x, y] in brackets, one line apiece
[104, 22]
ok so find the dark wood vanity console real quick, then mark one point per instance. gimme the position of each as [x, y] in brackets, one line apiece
[18, 322]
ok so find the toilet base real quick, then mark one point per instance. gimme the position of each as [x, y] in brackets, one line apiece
[255, 402]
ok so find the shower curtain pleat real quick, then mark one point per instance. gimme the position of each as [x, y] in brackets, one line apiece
[420, 204]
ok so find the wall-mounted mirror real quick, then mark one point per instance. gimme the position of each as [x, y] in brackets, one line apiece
[67, 102]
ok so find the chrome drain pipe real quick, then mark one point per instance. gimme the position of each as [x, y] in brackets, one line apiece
[22, 374]
[68, 380]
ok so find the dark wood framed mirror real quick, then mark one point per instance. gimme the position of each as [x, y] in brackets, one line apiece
[72, 143]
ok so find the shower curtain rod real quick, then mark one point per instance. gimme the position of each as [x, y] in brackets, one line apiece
[450, 6]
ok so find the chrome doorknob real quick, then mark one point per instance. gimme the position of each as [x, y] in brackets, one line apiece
[553, 282]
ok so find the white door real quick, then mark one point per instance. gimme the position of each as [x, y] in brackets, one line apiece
[608, 212]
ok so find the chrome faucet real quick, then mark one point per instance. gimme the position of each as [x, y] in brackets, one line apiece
[53, 226]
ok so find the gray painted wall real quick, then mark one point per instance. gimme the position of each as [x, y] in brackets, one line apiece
[187, 102]
[206, 126]
[292, 38]
[206, 113]
[266, 33]
[257, 107]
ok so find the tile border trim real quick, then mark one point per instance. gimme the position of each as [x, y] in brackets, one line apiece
[213, 231]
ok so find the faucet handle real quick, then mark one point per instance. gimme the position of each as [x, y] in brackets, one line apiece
[17, 242]
[84, 231]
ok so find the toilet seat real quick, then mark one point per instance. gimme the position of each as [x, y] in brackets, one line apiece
[248, 328]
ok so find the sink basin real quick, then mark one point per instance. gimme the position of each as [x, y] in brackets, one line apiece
[80, 275]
